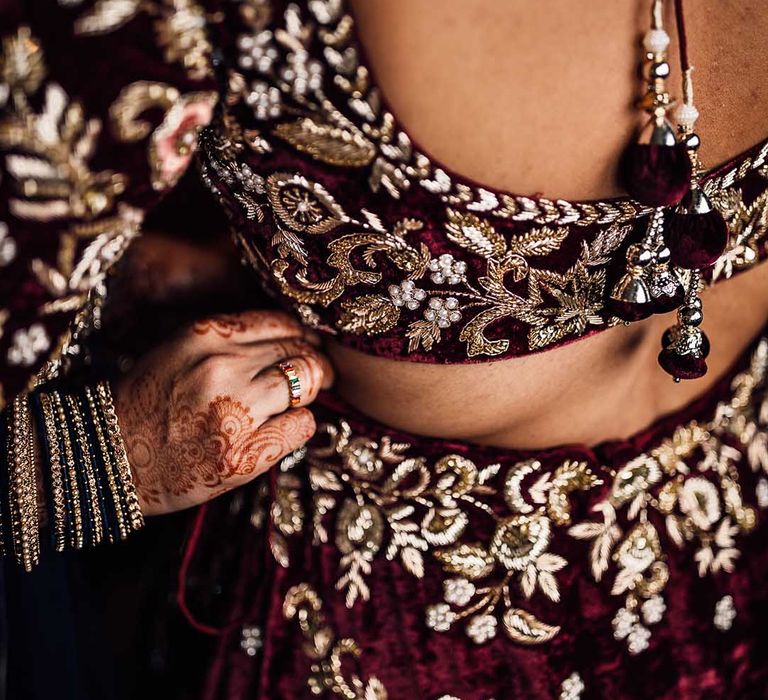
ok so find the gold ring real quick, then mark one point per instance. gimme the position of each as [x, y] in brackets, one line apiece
[294, 383]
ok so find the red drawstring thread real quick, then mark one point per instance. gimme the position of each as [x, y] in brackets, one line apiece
[682, 37]
[186, 561]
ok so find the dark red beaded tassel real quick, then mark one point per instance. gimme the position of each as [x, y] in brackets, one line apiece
[697, 235]
[684, 347]
[656, 169]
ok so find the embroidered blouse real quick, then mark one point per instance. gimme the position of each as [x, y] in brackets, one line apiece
[367, 238]
[346, 221]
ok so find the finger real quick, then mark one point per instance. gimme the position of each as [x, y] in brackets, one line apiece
[248, 327]
[271, 387]
[275, 439]
[271, 352]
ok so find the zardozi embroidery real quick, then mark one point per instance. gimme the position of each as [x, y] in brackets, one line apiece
[380, 499]
[366, 274]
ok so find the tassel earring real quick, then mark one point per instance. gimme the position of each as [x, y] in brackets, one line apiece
[697, 236]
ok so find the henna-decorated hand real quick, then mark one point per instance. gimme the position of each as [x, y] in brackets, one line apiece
[209, 410]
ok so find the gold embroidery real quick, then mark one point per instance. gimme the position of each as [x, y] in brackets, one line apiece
[23, 67]
[401, 506]
[707, 509]
[305, 207]
[474, 293]
[367, 314]
[375, 499]
[183, 118]
[329, 673]
[555, 305]
[52, 177]
[333, 145]
[302, 206]
[748, 226]
[179, 25]
[47, 155]
[357, 132]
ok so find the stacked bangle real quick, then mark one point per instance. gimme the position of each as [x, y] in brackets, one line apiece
[86, 482]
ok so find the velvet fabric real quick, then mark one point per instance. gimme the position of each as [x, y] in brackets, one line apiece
[688, 658]
[506, 306]
[696, 241]
[658, 176]
[231, 580]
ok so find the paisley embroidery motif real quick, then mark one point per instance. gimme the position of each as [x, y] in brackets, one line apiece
[304, 61]
[436, 293]
[330, 656]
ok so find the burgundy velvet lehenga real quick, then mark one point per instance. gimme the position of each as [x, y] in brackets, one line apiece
[378, 564]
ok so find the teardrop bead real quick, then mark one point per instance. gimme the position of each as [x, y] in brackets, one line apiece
[684, 352]
[657, 170]
[697, 233]
[682, 366]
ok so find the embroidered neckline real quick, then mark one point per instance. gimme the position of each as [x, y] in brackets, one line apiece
[484, 197]
[450, 274]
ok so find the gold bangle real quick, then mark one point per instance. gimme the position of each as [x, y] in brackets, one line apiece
[104, 394]
[76, 531]
[57, 484]
[93, 501]
[23, 485]
[108, 462]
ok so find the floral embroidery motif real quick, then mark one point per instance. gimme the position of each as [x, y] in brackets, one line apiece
[557, 304]
[47, 155]
[725, 613]
[377, 499]
[706, 509]
[572, 687]
[356, 131]
[174, 141]
[401, 507]
[302, 79]
[297, 82]
[27, 345]
[437, 290]
[51, 174]
[329, 669]
[251, 640]
[748, 226]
